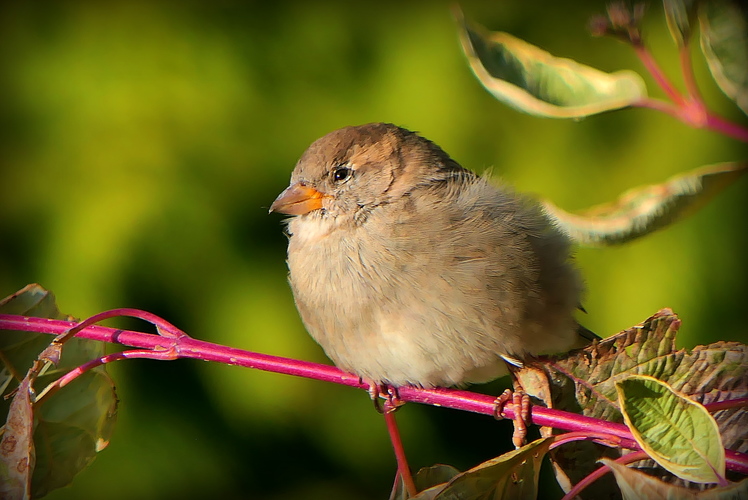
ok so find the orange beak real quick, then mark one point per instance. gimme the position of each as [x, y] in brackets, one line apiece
[298, 199]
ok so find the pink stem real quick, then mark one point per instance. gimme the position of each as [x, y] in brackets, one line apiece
[117, 356]
[684, 53]
[659, 76]
[598, 437]
[693, 117]
[164, 328]
[397, 445]
[601, 471]
[725, 127]
[187, 347]
[659, 105]
[689, 110]
[80, 370]
[693, 111]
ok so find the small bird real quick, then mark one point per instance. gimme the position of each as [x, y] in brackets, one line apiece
[410, 270]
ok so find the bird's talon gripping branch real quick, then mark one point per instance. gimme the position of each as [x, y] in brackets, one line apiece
[521, 403]
[390, 395]
[392, 399]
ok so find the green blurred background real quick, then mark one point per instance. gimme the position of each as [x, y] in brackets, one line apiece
[143, 142]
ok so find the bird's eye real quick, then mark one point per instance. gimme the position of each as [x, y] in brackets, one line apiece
[339, 174]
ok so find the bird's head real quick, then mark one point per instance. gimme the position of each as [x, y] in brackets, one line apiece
[353, 170]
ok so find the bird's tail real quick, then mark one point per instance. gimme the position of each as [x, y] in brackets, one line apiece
[586, 337]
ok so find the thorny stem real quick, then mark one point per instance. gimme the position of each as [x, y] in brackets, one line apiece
[184, 346]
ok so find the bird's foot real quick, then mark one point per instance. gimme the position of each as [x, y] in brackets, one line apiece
[521, 403]
[390, 395]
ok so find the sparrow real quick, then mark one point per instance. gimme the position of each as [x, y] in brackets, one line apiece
[409, 269]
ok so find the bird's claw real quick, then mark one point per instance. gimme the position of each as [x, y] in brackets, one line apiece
[390, 395]
[521, 403]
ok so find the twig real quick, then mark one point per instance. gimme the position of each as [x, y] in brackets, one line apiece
[725, 127]
[659, 76]
[600, 438]
[601, 471]
[187, 347]
[397, 445]
[117, 356]
[694, 95]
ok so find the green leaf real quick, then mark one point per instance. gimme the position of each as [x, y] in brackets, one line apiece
[20, 349]
[32, 300]
[636, 485]
[643, 210]
[679, 15]
[428, 477]
[72, 426]
[513, 475]
[678, 433]
[584, 381]
[724, 42]
[429, 482]
[428, 494]
[531, 80]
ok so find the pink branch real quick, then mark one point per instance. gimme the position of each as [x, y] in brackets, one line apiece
[601, 471]
[117, 356]
[684, 53]
[690, 110]
[695, 117]
[659, 76]
[659, 105]
[397, 445]
[165, 329]
[597, 437]
[725, 127]
[187, 347]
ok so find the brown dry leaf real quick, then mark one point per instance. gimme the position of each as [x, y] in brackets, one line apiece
[583, 381]
[76, 423]
[17, 447]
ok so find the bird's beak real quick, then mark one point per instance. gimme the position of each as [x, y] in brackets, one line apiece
[298, 199]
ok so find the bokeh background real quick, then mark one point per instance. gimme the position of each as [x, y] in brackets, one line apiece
[142, 142]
